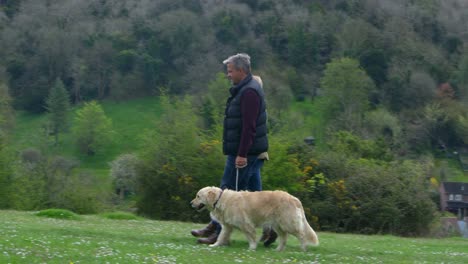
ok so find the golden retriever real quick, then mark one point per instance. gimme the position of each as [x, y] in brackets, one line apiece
[248, 210]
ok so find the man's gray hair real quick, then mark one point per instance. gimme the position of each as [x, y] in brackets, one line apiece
[239, 61]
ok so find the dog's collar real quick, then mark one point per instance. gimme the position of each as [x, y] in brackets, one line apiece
[219, 197]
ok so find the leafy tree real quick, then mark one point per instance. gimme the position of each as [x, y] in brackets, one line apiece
[357, 37]
[5, 172]
[346, 143]
[124, 174]
[228, 24]
[125, 60]
[176, 161]
[92, 128]
[461, 76]
[420, 90]
[41, 181]
[385, 201]
[10, 7]
[95, 70]
[462, 128]
[302, 46]
[375, 63]
[366, 194]
[296, 83]
[271, 25]
[282, 171]
[347, 88]
[58, 106]
[214, 100]
[30, 181]
[7, 115]
[381, 122]
[278, 93]
[178, 44]
[6, 169]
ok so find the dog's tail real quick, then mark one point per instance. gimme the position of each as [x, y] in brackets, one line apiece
[311, 236]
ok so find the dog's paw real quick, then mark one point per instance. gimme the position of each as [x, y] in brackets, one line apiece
[279, 248]
[253, 246]
[217, 244]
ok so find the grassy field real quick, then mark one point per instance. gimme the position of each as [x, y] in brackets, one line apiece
[130, 119]
[27, 238]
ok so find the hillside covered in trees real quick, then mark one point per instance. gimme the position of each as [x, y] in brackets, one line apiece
[381, 85]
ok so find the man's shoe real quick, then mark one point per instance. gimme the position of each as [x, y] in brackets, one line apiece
[265, 234]
[209, 240]
[271, 239]
[205, 232]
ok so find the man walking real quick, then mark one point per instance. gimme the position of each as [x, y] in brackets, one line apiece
[245, 140]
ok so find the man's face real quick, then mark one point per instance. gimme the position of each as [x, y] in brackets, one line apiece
[235, 75]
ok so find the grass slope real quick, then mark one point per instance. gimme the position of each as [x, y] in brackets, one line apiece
[129, 119]
[27, 238]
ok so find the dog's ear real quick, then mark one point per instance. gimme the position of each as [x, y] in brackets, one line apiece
[211, 195]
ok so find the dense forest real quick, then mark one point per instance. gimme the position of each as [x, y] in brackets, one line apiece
[382, 86]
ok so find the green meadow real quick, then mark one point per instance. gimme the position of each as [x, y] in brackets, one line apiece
[28, 238]
[130, 119]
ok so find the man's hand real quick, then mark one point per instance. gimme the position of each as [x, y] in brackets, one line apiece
[241, 162]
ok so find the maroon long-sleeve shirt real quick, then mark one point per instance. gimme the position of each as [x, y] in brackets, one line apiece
[250, 107]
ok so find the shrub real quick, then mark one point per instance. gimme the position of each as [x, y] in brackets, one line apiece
[58, 213]
[123, 173]
[44, 182]
[177, 161]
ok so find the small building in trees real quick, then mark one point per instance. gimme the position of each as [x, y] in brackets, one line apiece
[454, 198]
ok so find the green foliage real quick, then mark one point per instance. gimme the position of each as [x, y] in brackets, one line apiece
[381, 122]
[282, 171]
[364, 190]
[30, 182]
[462, 128]
[347, 88]
[302, 46]
[351, 145]
[296, 83]
[120, 216]
[10, 7]
[214, 101]
[7, 115]
[92, 128]
[124, 175]
[58, 106]
[461, 76]
[40, 181]
[420, 90]
[229, 25]
[392, 198]
[58, 213]
[176, 162]
[377, 197]
[290, 43]
[375, 63]
[358, 37]
[125, 60]
[5, 173]
[6, 126]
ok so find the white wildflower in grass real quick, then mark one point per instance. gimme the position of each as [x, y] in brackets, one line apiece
[26, 238]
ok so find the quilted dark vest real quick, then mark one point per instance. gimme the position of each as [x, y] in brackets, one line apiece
[233, 120]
